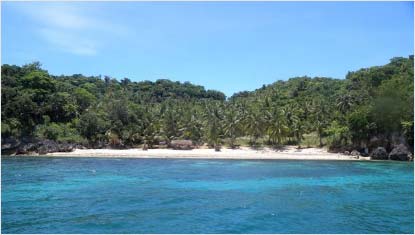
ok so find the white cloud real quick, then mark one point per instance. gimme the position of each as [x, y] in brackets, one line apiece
[72, 28]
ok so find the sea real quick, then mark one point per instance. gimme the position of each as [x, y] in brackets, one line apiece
[127, 195]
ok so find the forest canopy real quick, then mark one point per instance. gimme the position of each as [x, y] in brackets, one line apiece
[369, 105]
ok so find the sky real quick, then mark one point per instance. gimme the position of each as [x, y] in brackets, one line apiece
[226, 46]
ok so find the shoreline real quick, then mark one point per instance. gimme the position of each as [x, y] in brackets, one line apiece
[288, 153]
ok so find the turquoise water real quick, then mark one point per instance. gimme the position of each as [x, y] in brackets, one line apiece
[101, 195]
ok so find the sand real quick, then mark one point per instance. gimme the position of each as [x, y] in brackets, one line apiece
[289, 152]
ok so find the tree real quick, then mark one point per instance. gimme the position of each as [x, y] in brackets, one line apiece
[84, 99]
[213, 119]
[232, 124]
[62, 107]
[93, 125]
[370, 102]
[321, 117]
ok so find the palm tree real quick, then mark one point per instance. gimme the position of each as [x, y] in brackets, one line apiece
[278, 126]
[213, 118]
[292, 119]
[191, 125]
[254, 125]
[321, 116]
[232, 123]
[344, 103]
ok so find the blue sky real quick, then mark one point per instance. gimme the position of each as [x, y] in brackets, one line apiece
[224, 46]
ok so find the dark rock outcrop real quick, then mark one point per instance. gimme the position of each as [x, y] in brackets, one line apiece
[398, 139]
[26, 148]
[65, 147]
[338, 148]
[50, 146]
[36, 146]
[400, 153]
[9, 145]
[379, 154]
[377, 141]
[181, 144]
[47, 146]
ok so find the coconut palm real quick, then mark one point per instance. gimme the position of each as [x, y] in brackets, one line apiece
[232, 123]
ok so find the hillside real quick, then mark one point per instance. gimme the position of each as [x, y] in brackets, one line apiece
[372, 107]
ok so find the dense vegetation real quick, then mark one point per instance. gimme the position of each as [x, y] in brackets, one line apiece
[371, 105]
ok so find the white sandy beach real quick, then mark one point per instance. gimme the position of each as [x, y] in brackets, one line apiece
[289, 152]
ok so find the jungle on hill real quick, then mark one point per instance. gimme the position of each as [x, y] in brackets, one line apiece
[370, 108]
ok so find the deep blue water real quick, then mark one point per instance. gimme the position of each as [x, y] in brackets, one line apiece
[102, 195]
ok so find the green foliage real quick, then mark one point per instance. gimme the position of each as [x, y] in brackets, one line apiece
[337, 134]
[10, 127]
[84, 99]
[311, 140]
[58, 131]
[305, 111]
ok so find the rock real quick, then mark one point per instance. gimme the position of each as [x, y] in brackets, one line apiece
[50, 146]
[346, 153]
[162, 143]
[181, 144]
[79, 146]
[365, 152]
[65, 147]
[9, 145]
[47, 146]
[410, 157]
[217, 148]
[374, 141]
[398, 139]
[379, 154]
[377, 141]
[26, 148]
[400, 153]
[355, 153]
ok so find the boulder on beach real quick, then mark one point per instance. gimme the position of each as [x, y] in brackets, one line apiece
[181, 144]
[400, 153]
[379, 154]
[355, 153]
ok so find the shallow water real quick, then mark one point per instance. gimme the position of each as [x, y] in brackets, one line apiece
[104, 195]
